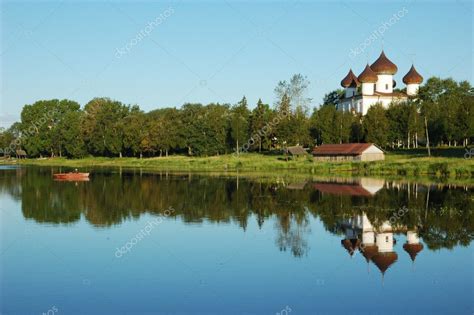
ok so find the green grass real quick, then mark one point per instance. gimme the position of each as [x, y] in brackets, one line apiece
[445, 164]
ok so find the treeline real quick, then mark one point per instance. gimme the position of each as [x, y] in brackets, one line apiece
[444, 111]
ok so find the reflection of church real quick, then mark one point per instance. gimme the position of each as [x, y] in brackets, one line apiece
[376, 244]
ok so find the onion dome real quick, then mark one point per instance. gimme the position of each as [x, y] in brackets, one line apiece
[350, 80]
[412, 77]
[383, 65]
[369, 251]
[368, 75]
[413, 249]
[384, 260]
[351, 245]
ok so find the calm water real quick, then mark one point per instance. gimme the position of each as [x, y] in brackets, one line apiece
[136, 243]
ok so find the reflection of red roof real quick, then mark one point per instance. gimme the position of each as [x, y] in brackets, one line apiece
[412, 249]
[369, 251]
[350, 245]
[341, 149]
[342, 189]
[384, 260]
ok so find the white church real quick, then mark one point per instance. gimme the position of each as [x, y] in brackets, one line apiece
[376, 85]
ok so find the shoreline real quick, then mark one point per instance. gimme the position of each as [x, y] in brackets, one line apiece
[443, 169]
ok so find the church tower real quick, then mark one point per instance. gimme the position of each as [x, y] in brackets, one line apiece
[413, 80]
[385, 70]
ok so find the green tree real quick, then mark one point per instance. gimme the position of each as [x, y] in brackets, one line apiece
[332, 98]
[71, 134]
[134, 132]
[376, 125]
[239, 124]
[41, 126]
[104, 126]
[465, 114]
[260, 125]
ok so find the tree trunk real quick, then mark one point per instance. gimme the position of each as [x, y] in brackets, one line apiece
[427, 137]
[237, 148]
[408, 140]
[141, 155]
[120, 154]
[166, 152]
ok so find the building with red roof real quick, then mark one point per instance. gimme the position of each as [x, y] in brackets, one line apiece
[348, 151]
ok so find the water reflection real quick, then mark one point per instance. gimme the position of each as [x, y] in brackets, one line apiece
[376, 244]
[365, 211]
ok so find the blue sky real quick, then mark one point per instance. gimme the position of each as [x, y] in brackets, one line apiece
[215, 51]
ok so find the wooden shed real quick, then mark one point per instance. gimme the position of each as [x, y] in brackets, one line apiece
[348, 152]
[21, 154]
[295, 151]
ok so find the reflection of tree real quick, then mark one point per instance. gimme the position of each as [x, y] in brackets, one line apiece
[442, 216]
[291, 232]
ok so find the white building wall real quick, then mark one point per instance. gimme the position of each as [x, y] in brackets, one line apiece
[412, 237]
[362, 105]
[368, 88]
[351, 91]
[384, 83]
[384, 242]
[368, 238]
[412, 89]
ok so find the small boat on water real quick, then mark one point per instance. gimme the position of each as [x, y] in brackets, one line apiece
[71, 176]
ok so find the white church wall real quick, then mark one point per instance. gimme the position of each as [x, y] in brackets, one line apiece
[412, 89]
[368, 238]
[368, 88]
[384, 83]
[384, 242]
[412, 237]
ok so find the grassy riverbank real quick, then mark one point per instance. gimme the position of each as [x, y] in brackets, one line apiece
[445, 163]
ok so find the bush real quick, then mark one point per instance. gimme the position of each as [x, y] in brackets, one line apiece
[439, 168]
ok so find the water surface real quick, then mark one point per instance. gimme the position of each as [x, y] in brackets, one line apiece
[138, 243]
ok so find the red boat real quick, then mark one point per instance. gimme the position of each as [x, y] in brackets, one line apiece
[72, 176]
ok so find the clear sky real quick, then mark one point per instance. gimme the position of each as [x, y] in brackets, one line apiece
[216, 51]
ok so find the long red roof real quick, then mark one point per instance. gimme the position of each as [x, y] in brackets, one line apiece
[341, 149]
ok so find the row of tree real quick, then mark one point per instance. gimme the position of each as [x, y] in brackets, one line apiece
[444, 111]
